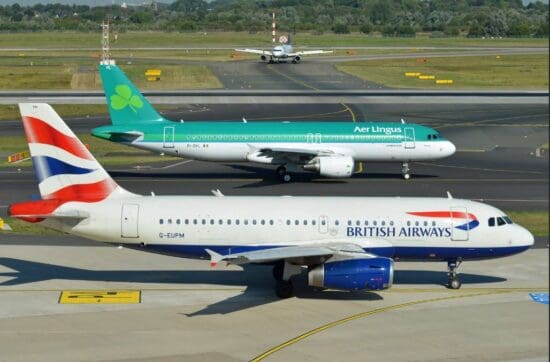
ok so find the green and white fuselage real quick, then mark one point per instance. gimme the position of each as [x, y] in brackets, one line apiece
[330, 148]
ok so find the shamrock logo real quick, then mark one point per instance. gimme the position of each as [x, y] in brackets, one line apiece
[124, 98]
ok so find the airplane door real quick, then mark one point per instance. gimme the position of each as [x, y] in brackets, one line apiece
[409, 137]
[323, 224]
[129, 221]
[309, 138]
[459, 224]
[168, 137]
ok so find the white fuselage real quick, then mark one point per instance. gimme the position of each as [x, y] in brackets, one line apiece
[240, 152]
[186, 225]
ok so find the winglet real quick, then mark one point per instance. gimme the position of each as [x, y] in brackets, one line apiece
[215, 258]
[402, 121]
[449, 195]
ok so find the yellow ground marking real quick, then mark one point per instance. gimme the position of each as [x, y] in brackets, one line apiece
[373, 312]
[291, 78]
[100, 297]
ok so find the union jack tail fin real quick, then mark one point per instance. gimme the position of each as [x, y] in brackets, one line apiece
[65, 169]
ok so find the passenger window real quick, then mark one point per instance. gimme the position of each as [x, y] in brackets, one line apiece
[313, 222]
[211, 221]
[391, 222]
[336, 222]
[178, 221]
[491, 221]
[305, 222]
[170, 221]
[358, 223]
[254, 222]
[237, 221]
[323, 222]
[429, 136]
[408, 223]
[228, 221]
[220, 221]
[161, 221]
[263, 222]
[203, 221]
[374, 223]
[288, 222]
[186, 221]
[383, 223]
[500, 221]
[246, 221]
[349, 222]
[270, 222]
[425, 223]
[195, 221]
[366, 223]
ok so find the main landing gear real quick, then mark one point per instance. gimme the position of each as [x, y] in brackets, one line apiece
[405, 171]
[454, 282]
[283, 272]
[283, 174]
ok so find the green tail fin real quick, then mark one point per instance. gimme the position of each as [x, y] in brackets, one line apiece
[126, 103]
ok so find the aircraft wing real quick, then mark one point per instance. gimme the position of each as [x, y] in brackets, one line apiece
[315, 253]
[281, 151]
[310, 52]
[255, 51]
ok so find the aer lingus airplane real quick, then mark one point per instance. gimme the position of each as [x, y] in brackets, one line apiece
[346, 243]
[329, 148]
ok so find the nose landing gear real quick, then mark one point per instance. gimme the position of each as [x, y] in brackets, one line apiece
[454, 282]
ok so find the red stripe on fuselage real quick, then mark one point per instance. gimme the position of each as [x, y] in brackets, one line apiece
[83, 193]
[39, 131]
[449, 214]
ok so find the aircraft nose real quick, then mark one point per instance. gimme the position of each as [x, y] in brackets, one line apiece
[449, 148]
[524, 237]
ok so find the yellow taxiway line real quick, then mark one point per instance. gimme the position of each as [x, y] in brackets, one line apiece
[466, 294]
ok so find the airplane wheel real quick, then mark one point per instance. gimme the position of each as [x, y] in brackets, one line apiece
[455, 283]
[281, 171]
[278, 270]
[284, 289]
[406, 176]
[287, 178]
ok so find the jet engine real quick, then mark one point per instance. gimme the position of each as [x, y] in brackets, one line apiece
[297, 59]
[263, 58]
[331, 166]
[353, 274]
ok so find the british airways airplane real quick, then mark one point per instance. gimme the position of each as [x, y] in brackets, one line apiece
[346, 243]
[329, 148]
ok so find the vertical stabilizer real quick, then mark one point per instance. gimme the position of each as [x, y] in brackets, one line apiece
[65, 169]
[125, 102]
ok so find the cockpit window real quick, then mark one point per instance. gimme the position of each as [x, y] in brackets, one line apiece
[500, 221]
[508, 220]
[491, 221]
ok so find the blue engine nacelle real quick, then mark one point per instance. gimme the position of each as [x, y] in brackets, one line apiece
[353, 274]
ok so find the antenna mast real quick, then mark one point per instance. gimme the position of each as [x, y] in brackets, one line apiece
[105, 50]
[273, 28]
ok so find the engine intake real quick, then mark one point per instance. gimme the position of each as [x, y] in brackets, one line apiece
[297, 59]
[353, 274]
[263, 57]
[331, 166]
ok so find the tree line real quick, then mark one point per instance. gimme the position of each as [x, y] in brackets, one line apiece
[475, 18]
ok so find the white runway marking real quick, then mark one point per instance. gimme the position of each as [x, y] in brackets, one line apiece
[176, 164]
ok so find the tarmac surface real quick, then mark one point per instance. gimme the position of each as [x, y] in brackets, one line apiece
[187, 311]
